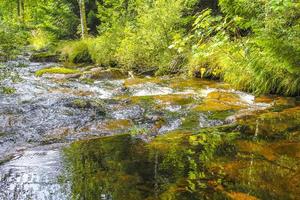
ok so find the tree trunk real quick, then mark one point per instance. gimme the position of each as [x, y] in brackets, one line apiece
[84, 31]
[20, 7]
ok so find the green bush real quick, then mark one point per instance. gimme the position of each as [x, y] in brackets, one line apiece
[13, 38]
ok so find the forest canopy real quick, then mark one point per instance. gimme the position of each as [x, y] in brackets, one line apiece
[253, 45]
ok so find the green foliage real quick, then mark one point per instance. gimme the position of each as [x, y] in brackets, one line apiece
[40, 23]
[146, 44]
[40, 39]
[56, 70]
[254, 45]
[53, 17]
[12, 38]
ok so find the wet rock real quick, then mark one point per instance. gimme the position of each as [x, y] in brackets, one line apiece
[121, 124]
[62, 76]
[132, 112]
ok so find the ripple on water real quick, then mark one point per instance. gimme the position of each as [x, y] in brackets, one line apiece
[34, 175]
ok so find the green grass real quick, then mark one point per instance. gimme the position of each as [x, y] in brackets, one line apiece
[56, 70]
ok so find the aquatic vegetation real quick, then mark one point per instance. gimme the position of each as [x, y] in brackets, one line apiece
[56, 70]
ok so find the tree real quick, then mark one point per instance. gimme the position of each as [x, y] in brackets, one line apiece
[84, 31]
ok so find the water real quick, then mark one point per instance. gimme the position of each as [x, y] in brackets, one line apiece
[143, 138]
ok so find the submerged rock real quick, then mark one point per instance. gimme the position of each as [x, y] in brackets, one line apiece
[97, 105]
[272, 123]
[220, 101]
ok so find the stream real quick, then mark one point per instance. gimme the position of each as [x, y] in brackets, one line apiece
[143, 138]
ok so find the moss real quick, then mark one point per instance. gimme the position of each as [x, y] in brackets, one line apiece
[76, 51]
[7, 90]
[87, 80]
[80, 103]
[174, 139]
[191, 121]
[221, 115]
[175, 99]
[136, 81]
[56, 70]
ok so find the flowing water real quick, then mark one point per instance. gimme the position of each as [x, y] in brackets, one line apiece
[143, 138]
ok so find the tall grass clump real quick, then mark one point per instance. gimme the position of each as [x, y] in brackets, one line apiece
[76, 51]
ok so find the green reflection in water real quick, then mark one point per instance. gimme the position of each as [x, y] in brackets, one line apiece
[121, 167]
[216, 163]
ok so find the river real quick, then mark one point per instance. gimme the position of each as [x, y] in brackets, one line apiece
[64, 137]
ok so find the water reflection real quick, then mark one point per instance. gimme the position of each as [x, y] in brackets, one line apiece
[121, 167]
[212, 164]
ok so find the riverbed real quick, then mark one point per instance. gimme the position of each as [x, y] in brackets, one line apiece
[64, 137]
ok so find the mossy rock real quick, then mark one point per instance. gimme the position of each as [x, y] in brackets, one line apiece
[56, 70]
[44, 57]
[97, 105]
[220, 101]
[111, 73]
